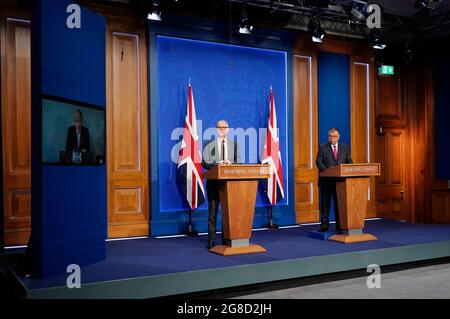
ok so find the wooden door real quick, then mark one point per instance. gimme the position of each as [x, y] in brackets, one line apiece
[127, 133]
[305, 138]
[16, 128]
[390, 190]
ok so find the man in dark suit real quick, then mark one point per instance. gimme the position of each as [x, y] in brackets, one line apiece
[78, 139]
[221, 150]
[330, 154]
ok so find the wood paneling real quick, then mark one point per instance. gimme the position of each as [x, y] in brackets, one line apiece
[391, 184]
[305, 138]
[127, 131]
[391, 100]
[362, 119]
[433, 200]
[440, 206]
[16, 128]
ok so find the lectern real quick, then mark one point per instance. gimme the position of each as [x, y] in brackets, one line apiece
[237, 200]
[352, 186]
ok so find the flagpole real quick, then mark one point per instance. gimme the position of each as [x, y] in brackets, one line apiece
[190, 229]
[270, 223]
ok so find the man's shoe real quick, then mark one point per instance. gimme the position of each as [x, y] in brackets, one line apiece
[323, 228]
[210, 244]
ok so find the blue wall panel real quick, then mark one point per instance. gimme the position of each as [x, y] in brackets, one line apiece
[334, 96]
[230, 82]
[69, 208]
[442, 117]
[71, 58]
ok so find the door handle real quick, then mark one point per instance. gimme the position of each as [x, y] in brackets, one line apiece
[402, 192]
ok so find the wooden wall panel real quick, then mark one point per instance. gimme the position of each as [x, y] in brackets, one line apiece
[391, 184]
[127, 132]
[440, 206]
[305, 138]
[391, 103]
[362, 119]
[437, 192]
[16, 128]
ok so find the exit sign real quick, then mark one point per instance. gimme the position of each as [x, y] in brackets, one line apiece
[386, 69]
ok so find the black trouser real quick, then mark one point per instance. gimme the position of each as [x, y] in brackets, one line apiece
[212, 190]
[326, 192]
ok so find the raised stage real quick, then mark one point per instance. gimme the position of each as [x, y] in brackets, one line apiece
[155, 267]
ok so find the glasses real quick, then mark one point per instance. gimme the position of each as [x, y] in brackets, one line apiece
[333, 136]
[222, 127]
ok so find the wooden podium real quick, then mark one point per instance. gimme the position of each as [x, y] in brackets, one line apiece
[352, 188]
[237, 200]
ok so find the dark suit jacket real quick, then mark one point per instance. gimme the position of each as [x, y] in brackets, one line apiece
[211, 158]
[325, 159]
[71, 140]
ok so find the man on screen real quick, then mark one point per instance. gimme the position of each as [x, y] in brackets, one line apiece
[221, 150]
[330, 154]
[78, 139]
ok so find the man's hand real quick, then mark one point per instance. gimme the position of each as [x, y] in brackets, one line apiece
[225, 162]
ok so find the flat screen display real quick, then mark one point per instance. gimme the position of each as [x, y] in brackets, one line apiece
[72, 133]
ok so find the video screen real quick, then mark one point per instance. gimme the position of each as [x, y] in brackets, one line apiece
[72, 133]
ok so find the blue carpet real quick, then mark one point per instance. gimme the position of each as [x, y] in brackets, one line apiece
[153, 256]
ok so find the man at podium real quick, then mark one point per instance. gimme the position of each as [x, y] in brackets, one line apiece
[330, 154]
[221, 150]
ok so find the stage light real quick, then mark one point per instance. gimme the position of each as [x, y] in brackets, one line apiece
[376, 40]
[430, 4]
[317, 33]
[245, 26]
[154, 14]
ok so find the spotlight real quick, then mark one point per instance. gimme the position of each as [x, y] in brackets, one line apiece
[317, 33]
[359, 10]
[429, 4]
[246, 29]
[375, 39]
[244, 26]
[154, 14]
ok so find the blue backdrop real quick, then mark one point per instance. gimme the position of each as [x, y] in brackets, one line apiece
[229, 82]
[334, 96]
[68, 203]
[441, 116]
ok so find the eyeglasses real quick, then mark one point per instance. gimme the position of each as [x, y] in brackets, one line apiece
[220, 127]
[333, 136]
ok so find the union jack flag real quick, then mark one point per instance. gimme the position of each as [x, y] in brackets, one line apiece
[272, 156]
[190, 161]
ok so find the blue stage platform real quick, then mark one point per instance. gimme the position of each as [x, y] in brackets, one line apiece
[153, 267]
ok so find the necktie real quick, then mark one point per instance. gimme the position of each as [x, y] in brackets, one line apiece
[335, 152]
[223, 150]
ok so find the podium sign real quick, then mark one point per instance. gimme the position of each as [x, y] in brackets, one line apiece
[352, 188]
[238, 198]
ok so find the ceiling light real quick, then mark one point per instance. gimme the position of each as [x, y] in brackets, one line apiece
[154, 14]
[359, 10]
[317, 33]
[430, 4]
[244, 26]
[376, 39]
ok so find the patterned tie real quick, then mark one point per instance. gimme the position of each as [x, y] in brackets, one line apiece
[335, 153]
